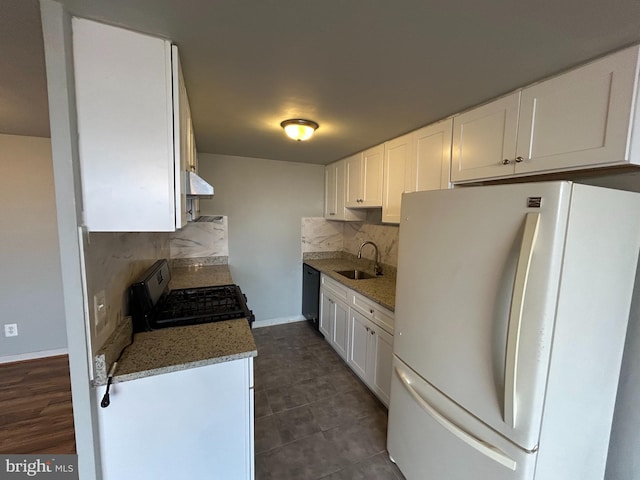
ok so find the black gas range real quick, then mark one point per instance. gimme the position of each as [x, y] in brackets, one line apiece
[154, 306]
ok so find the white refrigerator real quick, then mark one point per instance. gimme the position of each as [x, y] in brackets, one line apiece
[512, 306]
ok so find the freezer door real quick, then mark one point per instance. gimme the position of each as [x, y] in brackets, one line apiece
[478, 274]
[429, 437]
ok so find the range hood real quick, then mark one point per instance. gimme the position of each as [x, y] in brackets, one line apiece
[197, 187]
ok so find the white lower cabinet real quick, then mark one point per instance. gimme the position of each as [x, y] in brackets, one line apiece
[340, 340]
[195, 423]
[359, 345]
[360, 331]
[382, 353]
[334, 318]
[370, 354]
[326, 315]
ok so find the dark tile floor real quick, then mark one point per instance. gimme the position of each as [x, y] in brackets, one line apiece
[313, 418]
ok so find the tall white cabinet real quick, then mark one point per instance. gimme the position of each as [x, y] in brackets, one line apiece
[134, 128]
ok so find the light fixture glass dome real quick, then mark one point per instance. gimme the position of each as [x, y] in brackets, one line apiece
[299, 129]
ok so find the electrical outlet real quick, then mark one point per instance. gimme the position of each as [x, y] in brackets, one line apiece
[99, 309]
[10, 329]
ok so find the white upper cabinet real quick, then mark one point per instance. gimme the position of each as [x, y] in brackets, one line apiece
[131, 155]
[484, 139]
[364, 178]
[335, 194]
[429, 169]
[353, 180]
[398, 156]
[581, 119]
[330, 197]
[414, 162]
[578, 119]
[182, 134]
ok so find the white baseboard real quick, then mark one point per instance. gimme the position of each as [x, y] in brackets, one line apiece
[278, 321]
[33, 355]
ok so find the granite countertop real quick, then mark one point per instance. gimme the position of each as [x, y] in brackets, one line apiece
[199, 276]
[179, 348]
[381, 290]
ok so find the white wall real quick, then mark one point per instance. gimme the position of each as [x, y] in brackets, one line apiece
[30, 275]
[265, 201]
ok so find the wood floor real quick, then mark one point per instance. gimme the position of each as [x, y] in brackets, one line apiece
[36, 415]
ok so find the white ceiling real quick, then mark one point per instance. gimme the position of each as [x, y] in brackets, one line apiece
[365, 70]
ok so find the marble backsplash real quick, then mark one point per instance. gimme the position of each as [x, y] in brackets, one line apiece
[113, 261]
[208, 238]
[320, 235]
[384, 236]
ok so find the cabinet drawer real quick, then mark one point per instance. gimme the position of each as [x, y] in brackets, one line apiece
[377, 314]
[335, 288]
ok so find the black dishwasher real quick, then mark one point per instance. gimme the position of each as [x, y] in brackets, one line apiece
[311, 295]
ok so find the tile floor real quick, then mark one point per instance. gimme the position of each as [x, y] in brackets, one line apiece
[313, 418]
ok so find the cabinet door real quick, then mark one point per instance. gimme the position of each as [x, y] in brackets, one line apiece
[484, 139]
[340, 340]
[182, 138]
[372, 174]
[343, 213]
[398, 154]
[381, 358]
[358, 352]
[580, 118]
[353, 180]
[430, 167]
[326, 315]
[330, 196]
[215, 429]
[124, 105]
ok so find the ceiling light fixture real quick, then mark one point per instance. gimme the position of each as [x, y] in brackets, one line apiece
[299, 129]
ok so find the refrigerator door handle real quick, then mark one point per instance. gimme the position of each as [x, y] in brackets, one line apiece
[515, 316]
[471, 440]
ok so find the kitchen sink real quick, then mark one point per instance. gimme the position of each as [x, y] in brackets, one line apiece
[355, 274]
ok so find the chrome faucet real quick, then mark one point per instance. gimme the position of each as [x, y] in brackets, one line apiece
[377, 269]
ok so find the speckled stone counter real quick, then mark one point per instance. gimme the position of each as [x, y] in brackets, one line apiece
[381, 290]
[180, 348]
[199, 276]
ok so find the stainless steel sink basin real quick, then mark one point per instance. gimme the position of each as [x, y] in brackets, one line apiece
[355, 274]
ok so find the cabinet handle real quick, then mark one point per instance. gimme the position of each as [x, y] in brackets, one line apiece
[506, 161]
[332, 214]
[371, 311]
[367, 328]
[372, 332]
[519, 159]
